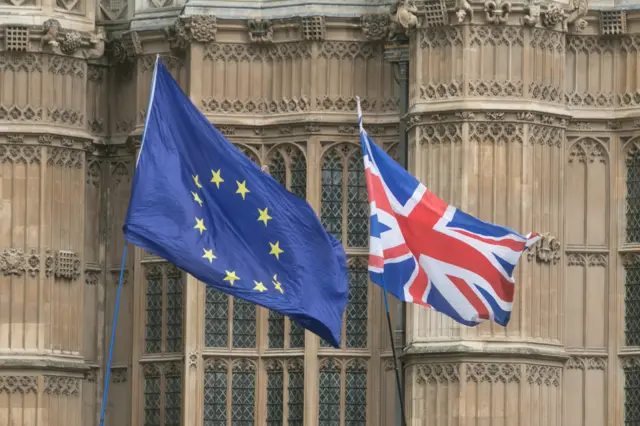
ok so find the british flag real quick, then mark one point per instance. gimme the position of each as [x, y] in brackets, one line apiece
[425, 251]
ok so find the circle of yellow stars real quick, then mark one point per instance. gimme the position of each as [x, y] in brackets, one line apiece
[263, 216]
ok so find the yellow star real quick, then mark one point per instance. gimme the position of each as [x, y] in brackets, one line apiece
[208, 254]
[231, 277]
[196, 198]
[276, 250]
[200, 225]
[217, 179]
[277, 284]
[264, 216]
[259, 286]
[242, 188]
[195, 179]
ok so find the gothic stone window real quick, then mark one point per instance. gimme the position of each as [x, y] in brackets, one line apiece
[228, 319]
[631, 263]
[633, 196]
[229, 392]
[345, 213]
[342, 392]
[285, 378]
[163, 323]
[631, 392]
[162, 394]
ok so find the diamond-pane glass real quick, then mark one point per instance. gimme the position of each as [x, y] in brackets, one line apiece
[152, 401]
[296, 397]
[355, 407]
[632, 305]
[172, 400]
[633, 198]
[216, 319]
[215, 397]
[632, 397]
[174, 312]
[274, 397]
[331, 210]
[329, 396]
[276, 330]
[356, 312]
[296, 335]
[153, 326]
[278, 169]
[244, 324]
[357, 204]
[299, 175]
[243, 398]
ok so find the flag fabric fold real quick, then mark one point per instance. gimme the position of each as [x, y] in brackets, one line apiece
[201, 204]
[427, 252]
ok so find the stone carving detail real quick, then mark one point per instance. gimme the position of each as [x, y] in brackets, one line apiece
[119, 375]
[17, 113]
[586, 363]
[436, 373]
[533, 10]
[215, 365]
[62, 386]
[18, 384]
[496, 133]
[546, 250]
[543, 375]
[13, 262]
[587, 150]
[631, 362]
[91, 277]
[97, 41]
[493, 373]
[71, 41]
[497, 11]
[577, 10]
[260, 30]
[545, 135]
[403, 18]
[463, 8]
[258, 106]
[243, 365]
[312, 28]
[342, 50]
[67, 265]
[494, 88]
[51, 28]
[66, 66]
[194, 357]
[553, 15]
[243, 52]
[15, 138]
[588, 259]
[19, 154]
[440, 37]
[199, 28]
[63, 157]
[444, 133]
[327, 103]
[91, 375]
[375, 26]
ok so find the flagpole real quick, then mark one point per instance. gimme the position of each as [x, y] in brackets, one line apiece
[107, 374]
[386, 306]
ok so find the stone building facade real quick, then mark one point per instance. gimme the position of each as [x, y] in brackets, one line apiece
[524, 113]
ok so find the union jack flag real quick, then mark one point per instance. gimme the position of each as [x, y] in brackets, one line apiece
[425, 251]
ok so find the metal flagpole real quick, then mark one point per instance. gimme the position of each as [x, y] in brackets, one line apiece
[107, 374]
[386, 306]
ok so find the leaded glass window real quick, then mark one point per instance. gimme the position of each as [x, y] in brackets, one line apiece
[276, 330]
[249, 153]
[162, 394]
[243, 384]
[357, 308]
[278, 168]
[244, 324]
[296, 335]
[153, 325]
[355, 407]
[633, 198]
[331, 210]
[216, 319]
[215, 393]
[357, 203]
[152, 382]
[632, 396]
[274, 394]
[632, 303]
[296, 393]
[329, 394]
[174, 310]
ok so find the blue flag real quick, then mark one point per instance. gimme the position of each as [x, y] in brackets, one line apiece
[201, 204]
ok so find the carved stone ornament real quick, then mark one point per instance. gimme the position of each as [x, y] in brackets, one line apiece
[553, 15]
[546, 250]
[18, 384]
[532, 17]
[97, 42]
[67, 265]
[119, 375]
[193, 359]
[188, 29]
[62, 386]
[403, 17]
[260, 30]
[51, 28]
[375, 26]
[463, 8]
[13, 262]
[577, 10]
[497, 11]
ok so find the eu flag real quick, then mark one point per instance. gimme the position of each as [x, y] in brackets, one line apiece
[201, 204]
